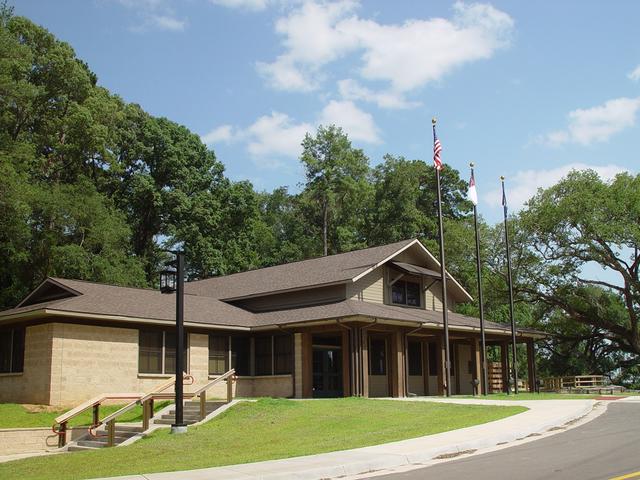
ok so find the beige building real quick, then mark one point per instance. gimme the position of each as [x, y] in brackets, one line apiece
[367, 322]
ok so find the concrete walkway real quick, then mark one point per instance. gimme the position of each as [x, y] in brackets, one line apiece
[541, 416]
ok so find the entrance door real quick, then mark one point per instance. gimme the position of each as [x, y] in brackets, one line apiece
[327, 366]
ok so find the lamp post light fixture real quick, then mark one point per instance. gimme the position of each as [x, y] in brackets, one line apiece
[172, 280]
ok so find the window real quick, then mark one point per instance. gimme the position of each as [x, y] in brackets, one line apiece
[378, 356]
[433, 359]
[263, 357]
[283, 354]
[218, 354]
[405, 293]
[240, 353]
[12, 350]
[415, 358]
[157, 352]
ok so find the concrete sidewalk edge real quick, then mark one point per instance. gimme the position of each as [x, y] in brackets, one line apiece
[363, 460]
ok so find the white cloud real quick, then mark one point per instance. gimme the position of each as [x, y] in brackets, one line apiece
[596, 124]
[635, 74]
[525, 183]
[276, 135]
[253, 5]
[352, 90]
[407, 56]
[164, 22]
[223, 133]
[154, 15]
[358, 125]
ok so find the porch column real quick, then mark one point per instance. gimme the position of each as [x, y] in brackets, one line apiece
[477, 363]
[307, 366]
[397, 364]
[504, 361]
[441, 357]
[531, 364]
[347, 376]
[364, 362]
[297, 365]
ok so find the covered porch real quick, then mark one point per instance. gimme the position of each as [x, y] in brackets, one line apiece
[375, 358]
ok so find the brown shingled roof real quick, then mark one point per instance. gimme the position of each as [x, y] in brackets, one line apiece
[327, 270]
[139, 303]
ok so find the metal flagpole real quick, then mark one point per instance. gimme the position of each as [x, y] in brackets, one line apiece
[513, 322]
[443, 275]
[483, 352]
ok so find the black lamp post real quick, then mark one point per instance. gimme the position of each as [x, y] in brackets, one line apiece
[172, 280]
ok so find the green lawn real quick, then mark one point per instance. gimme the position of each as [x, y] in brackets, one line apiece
[263, 430]
[13, 415]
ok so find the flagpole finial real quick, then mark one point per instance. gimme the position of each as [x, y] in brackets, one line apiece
[471, 164]
[502, 178]
[433, 121]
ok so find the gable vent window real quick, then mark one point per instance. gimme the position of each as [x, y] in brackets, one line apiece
[405, 293]
[12, 350]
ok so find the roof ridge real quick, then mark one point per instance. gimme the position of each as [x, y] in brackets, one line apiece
[93, 282]
[409, 240]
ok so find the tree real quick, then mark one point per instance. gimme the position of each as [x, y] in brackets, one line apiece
[571, 231]
[336, 188]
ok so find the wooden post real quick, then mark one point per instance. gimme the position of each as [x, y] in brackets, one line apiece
[477, 364]
[397, 364]
[441, 360]
[96, 414]
[203, 405]
[111, 433]
[531, 365]
[151, 407]
[229, 389]
[504, 361]
[364, 347]
[307, 365]
[145, 415]
[62, 436]
[346, 364]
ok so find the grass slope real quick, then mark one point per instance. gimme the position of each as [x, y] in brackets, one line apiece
[13, 415]
[264, 430]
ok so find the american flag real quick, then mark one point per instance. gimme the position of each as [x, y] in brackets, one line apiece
[504, 199]
[437, 148]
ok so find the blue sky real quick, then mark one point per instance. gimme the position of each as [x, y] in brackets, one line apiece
[523, 89]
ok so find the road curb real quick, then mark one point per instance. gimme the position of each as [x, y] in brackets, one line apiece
[379, 457]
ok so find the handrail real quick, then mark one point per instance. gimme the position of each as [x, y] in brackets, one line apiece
[74, 412]
[95, 402]
[138, 401]
[224, 376]
[202, 392]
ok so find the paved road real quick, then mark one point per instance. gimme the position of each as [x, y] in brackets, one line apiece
[604, 448]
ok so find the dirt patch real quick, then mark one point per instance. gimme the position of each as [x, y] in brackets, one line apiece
[608, 397]
[30, 408]
[445, 456]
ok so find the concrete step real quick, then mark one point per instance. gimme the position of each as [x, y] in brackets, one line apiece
[128, 428]
[171, 421]
[100, 442]
[78, 448]
[119, 433]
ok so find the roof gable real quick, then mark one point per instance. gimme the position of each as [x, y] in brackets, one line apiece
[321, 271]
[50, 289]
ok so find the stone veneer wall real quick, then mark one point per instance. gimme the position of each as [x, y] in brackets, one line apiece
[66, 364]
[33, 385]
